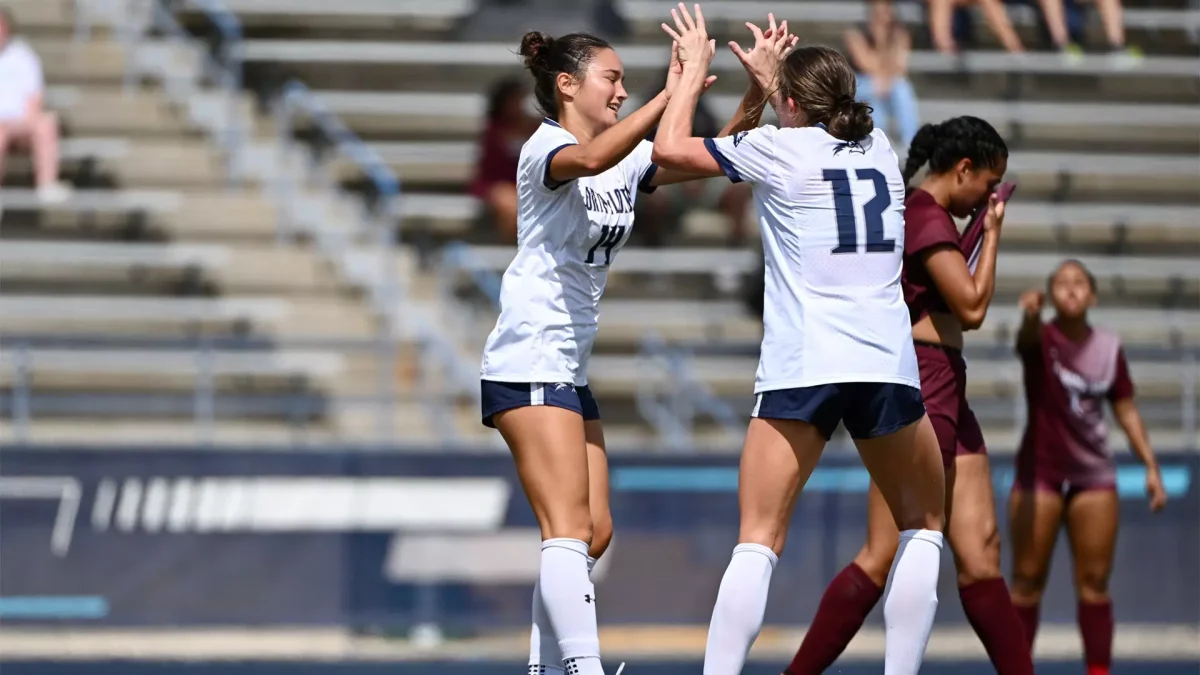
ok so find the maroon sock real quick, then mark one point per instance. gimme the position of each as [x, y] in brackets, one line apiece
[849, 599]
[1096, 626]
[1029, 618]
[990, 610]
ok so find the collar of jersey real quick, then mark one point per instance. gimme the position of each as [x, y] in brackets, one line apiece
[551, 122]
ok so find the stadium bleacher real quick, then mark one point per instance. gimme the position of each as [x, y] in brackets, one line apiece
[155, 241]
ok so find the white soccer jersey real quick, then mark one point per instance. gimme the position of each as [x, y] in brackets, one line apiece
[567, 236]
[832, 219]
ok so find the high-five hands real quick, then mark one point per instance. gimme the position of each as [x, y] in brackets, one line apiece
[693, 48]
[770, 48]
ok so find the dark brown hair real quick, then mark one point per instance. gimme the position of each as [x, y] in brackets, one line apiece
[546, 57]
[1071, 262]
[822, 84]
[944, 145]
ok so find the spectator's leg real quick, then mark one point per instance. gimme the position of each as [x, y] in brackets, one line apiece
[997, 18]
[502, 201]
[904, 106]
[4, 138]
[941, 25]
[879, 112]
[1113, 17]
[44, 141]
[1056, 22]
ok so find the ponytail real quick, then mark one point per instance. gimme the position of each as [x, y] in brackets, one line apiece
[920, 150]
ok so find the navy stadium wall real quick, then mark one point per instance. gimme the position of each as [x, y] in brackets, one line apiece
[145, 538]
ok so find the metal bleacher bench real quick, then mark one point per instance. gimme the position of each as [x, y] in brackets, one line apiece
[498, 54]
[115, 255]
[169, 362]
[392, 9]
[97, 201]
[17, 308]
[853, 11]
[468, 109]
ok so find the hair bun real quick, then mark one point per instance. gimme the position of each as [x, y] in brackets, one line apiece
[534, 46]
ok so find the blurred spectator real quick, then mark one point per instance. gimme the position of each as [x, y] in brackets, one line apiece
[941, 24]
[660, 213]
[1112, 16]
[509, 124]
[23, 120]
[879, 50]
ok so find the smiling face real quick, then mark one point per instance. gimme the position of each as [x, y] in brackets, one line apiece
[597, 96]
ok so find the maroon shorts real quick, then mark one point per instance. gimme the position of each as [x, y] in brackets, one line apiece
[1032, 476]
[944, 388]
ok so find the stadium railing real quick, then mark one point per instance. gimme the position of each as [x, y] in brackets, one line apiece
[672, 412]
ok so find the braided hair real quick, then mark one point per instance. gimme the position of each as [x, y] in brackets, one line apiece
[944, 145]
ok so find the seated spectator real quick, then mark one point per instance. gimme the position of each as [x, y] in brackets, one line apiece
[660, 213]
[23, 119]
[509, 124]
[1112, 16]
[879, 51]
[941, 24]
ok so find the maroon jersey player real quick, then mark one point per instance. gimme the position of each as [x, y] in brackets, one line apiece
[1065, 472]
[948, 280]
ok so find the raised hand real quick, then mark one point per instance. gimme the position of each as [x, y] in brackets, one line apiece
[692, 46]
[1031, 302]
[770, 48]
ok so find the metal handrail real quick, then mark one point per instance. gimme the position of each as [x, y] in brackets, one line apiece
[672, 415]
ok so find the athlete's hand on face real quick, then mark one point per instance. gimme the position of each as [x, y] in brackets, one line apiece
[1155, 492]
[693, 48]
[994, 219]
[1032, 302]
[770, 48]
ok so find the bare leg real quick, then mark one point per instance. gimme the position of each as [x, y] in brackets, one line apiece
[1113, 17]
[1092, 532]
[997, 18]
[941, 25]
[44, 139]
[1034, 518]
[1056, 21]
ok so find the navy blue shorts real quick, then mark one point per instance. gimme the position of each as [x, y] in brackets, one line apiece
[501, 396]
[868, 409]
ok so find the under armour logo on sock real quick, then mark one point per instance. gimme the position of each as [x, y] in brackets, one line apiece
[589, 599]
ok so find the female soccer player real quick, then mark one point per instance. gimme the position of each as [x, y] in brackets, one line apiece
[576, 184]
[948, 284]
[837, 343]
[1065, 472]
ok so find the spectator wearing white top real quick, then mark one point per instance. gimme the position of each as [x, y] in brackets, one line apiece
[23, 119]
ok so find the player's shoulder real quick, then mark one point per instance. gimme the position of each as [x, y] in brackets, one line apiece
[549, 135]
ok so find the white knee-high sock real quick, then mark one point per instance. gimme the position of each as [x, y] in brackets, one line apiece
[570, 602]
[738, 614]
[911, 601]
[544, 655]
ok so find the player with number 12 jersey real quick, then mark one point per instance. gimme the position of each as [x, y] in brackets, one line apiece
[837, 341]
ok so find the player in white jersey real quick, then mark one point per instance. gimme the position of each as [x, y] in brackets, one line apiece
[837, 342]
[577, 180]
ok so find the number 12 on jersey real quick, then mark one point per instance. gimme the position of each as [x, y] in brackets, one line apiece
[873, 210]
